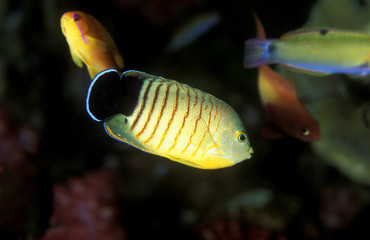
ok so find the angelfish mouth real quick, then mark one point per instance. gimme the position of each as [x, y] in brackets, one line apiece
[250, 152]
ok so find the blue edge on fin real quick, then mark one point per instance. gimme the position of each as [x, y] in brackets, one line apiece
[96, 78]
[256, 53]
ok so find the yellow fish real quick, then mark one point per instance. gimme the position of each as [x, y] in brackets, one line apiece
[90, 42]
[168, 118]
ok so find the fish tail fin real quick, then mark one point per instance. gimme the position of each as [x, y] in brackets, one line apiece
[104, 95]
[257, 53]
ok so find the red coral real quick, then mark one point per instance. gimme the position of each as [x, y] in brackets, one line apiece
[17, 172]
[338, 206]
[232, 229]
[85, 209]
[222, 229]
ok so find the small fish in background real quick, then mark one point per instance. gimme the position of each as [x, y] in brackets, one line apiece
[90, 43]
[347, 14]
[341, 105]
[317, 51]
[337, 104]
[193, 29]
[168, 118]
[279, 98]
[289, 116]
[348, 149]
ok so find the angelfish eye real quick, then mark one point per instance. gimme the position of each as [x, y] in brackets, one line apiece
[76, 17]
[241, 137]
[305, 132]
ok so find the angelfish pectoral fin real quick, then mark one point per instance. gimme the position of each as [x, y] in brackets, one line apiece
[202, 139]
[216, 151]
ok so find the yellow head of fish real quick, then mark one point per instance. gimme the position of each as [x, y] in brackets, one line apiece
[90, 43]
[234, 143]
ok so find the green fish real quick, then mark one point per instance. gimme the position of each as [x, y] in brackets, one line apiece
[318, 51]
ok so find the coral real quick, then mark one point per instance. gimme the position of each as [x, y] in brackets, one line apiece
[222, 229]
[18, 148]
[338, 206]
[232, 229]
[85, 209]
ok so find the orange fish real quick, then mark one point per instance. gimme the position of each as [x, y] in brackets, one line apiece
[90, 43]
[280, 100]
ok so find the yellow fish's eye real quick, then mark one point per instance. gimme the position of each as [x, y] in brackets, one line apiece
[76, 17]
[241, 137]
[305, 132]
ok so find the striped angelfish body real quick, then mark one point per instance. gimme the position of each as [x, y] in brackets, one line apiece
[181, 123]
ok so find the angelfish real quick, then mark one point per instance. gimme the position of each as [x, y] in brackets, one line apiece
[317, 51]
[90, 43]
[168, 118]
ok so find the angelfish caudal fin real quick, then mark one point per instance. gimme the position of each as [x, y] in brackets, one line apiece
[104, 95]
[257, 52]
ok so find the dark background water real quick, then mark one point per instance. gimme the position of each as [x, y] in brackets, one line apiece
[285, 191]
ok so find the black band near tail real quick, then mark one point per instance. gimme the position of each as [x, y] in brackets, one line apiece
[108, 94]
